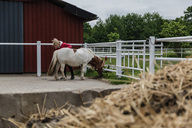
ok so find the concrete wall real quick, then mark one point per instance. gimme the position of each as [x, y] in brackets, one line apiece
[19, 106]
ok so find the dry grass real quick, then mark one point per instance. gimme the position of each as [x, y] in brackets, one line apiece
[162, 100]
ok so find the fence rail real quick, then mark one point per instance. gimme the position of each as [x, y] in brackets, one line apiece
[125, 53]
[38, 44]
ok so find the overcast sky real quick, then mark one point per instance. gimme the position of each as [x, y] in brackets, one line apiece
[168, 9]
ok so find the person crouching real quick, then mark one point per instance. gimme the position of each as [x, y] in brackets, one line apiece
[58, 45]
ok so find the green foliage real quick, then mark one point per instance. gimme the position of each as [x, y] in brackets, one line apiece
[173, 29]
[134, 26]
[188, 14]
[152, 24]
[130, 27]
[99, 32]
[113, 79]
[115, 24]
[113, 36]
[117, 82]
[110, 76]
[91, 73]
[88, 36]
[188, 19]
[171, 55]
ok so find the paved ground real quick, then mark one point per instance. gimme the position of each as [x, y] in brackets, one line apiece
[20, 93]
[30, 83]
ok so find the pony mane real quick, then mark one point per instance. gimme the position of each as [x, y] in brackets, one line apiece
[93, 53]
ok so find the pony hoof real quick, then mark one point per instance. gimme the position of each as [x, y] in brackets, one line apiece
[56, 79]
[63, 78]
[83, 78]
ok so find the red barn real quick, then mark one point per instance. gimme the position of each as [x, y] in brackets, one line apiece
[30, 21]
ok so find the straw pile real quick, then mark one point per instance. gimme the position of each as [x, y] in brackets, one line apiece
[163, 100]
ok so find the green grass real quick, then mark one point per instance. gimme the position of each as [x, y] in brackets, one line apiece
[109, 76]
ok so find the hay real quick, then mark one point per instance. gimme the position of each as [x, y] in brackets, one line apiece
[163, 100]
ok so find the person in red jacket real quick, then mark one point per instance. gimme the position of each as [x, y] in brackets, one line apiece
[58, 45]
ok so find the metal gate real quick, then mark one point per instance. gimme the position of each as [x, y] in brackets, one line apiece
[128, 55]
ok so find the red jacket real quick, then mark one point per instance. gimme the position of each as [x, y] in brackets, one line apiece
[64, 45]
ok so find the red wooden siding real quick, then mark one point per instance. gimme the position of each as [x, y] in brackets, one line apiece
[42, 22]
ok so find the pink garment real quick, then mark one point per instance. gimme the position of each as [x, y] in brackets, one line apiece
[64, 45]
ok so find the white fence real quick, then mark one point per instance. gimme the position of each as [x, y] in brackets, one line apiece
[133, 50]
[127, 54]
[181, 51]
[38, 44]
[165, 40]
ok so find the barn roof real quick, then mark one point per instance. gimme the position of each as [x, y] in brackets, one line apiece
[85, 15]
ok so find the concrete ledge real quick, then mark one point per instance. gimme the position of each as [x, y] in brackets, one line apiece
[19, 106]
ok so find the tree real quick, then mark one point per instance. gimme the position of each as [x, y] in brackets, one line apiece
[99, 32]
[152, 24]
[188, 14]
[188, 19]
[87, 33]
[133, 24]
[113, 36]
[115, 24]
[175, 29]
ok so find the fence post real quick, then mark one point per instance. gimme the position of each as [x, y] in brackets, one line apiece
[110, 53]
[133, 58]
[161, 54]
[85, 45]
[38, 58]
[144, 54]
[152, 54]
[118, 58]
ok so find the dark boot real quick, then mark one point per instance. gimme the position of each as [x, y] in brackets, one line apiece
[72, 74]
[65, 71]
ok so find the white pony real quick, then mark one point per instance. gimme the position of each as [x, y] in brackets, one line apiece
[74, 58]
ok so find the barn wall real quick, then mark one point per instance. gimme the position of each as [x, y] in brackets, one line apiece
[43, 21]
[11, 30]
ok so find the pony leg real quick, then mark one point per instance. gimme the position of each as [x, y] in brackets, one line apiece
[82, 71]
[62, 71]
[56, 71]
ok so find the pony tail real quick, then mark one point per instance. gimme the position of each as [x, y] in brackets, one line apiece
[52, 65]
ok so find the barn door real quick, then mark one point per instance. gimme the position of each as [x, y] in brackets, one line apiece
[11, 31]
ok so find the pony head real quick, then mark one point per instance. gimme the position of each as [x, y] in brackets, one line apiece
[100, 68]
[97, 63]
